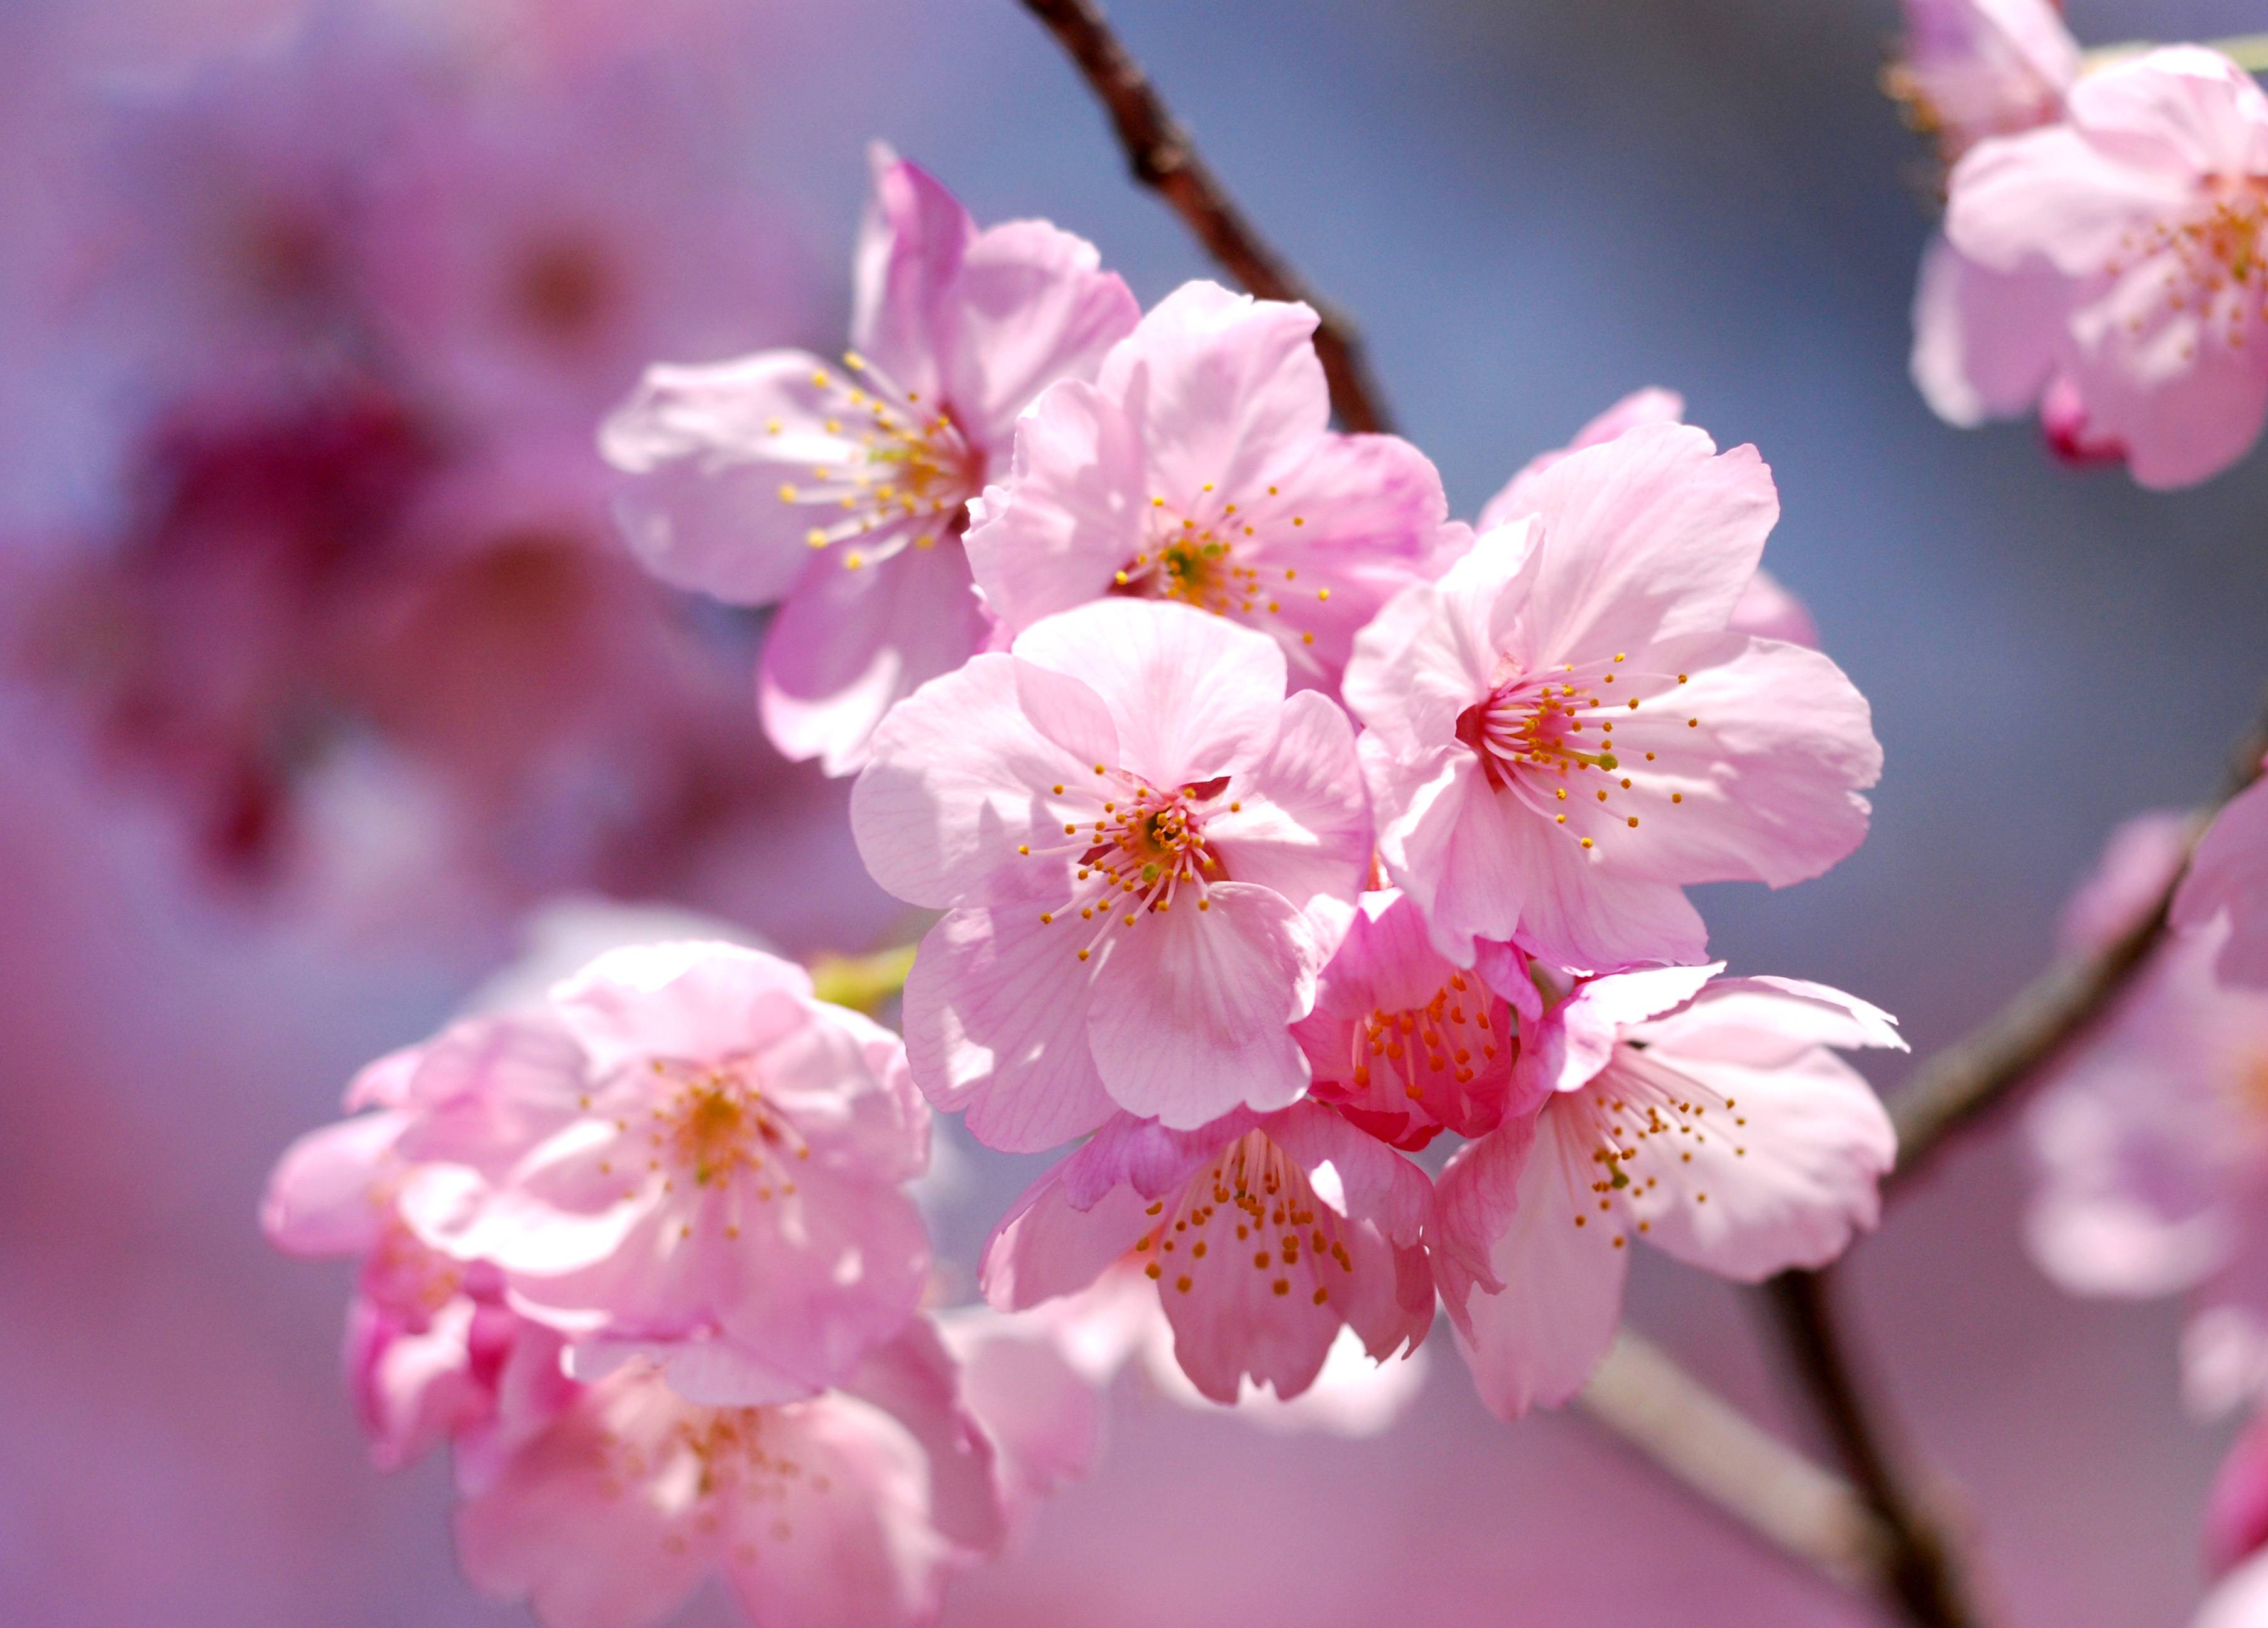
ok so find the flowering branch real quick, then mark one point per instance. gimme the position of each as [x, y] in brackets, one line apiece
[1163, 159]
[1969, 1078]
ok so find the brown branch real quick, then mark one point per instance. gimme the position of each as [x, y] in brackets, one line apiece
[1767, 1487]
[1919, 1570]
[1969, 1079]
[1162, 158]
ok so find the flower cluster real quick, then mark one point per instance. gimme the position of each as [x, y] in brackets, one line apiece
[641, 1253]
[2105, 253]
[1279, 823]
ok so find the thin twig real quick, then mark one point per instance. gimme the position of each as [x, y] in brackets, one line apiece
[1769, 1488]
[1977, 1073]
[1162, 158]
[1919, 1572]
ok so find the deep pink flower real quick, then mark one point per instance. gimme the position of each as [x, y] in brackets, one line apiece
[1971, 68]
[2230, 873]
[1704, 1115]
[2236, 1515]
[1264, 1234]
[1562, 732]
[2148, 1138]
[711, 1176]
[1403, 1042]
[842, 491]
[1147, 853]
[852, 1507]
[2138, 229]
[1764, 608]
[1200, 466]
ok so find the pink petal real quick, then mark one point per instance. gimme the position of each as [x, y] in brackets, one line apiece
[2230, 872]
[1032, 305]
[961, 777]
[329, 1194]
[1303, 826]
[1071, 514]
[1984, 340]
[1516, 500]
[1430, 653]
[1079, 1218]
[1224, 389]
[1651, 536]
[1191, 1009]
[1193, 695]
[694, 1002]
[848, 644]
[2179, 107]
[1535, 1341]
[996, 1020]
[1766, 610]
[1578, 1036]
[911, 245]
[2052, 195]
[708, 449]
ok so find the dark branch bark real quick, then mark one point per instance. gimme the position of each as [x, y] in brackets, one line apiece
[1918, 1573]
[1160, 154]
[1969, 1079]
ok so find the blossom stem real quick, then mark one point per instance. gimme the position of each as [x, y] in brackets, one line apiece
[1770, 1489]
[1916, 1568]
[863, 983]
[1163, 159]
[2248, 51]
[1976, 1074]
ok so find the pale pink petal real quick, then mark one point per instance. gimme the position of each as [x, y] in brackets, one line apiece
[1475, 1198]
[1428, 655]
[1578, 1036]
[2179, 107]
[1226, 389]
[1785, 1178]
[1087, 1211]
[1649, 405]
[1071, 514]
[2239, 1600]
[1190, 1012]
[1535, 1341]
[849, 642]
[693, 1000]
[1648, 537]
[911, 245]
[1043, 1415]
[1985, 340]
[2230, 872]
[1301, 825]
[1767, 610]
[330, 1192]
[2144, 857]
[918, 1380]
[996, 1019]
[708, 449]
[1032, 305]
[2049, 195]
[1193, 695]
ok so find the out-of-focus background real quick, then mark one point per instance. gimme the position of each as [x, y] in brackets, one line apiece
[322, 666]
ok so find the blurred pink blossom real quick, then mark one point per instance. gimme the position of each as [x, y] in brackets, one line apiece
[1199, 466]
[1121, 759]
[1971, 68]
[1604, 612]
[2134, 234]
[843, 493]
[2230, 873]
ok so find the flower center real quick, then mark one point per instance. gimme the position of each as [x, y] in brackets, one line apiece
[716, 1123]
[1637, 1118]
[2213, 263]
[909, 478]
[1548, 739]
[1450, 1035]
[1204, 553]
[1134, 853]
[1253, 1211]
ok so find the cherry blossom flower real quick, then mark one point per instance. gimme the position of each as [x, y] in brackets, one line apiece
[2230, 873]
[2139, 224]
[1264, 1234]
[1199, 466]
[1764, 608]
[711, 1176]
[2152, 1139]
[1563, 731]
[1402, 1041]
[842, 491]
[1703, 1114]
[853, 1506]
[1146, 853]
[1971, 68]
